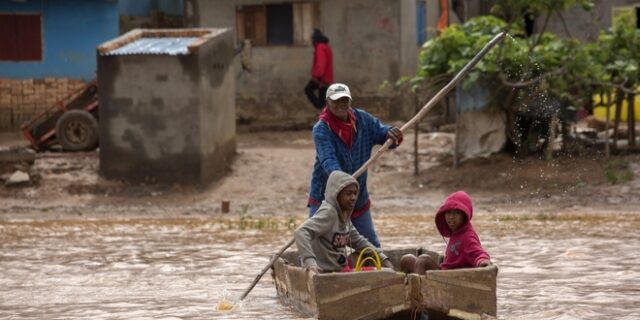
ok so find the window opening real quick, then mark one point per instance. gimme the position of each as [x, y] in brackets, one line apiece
[20, 37]
[277, 24]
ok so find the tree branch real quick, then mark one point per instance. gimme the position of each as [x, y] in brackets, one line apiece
[529, 82]
[619, 86]
[564, 24]
[544, 27]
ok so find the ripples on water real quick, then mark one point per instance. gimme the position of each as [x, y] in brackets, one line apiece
[551, 267]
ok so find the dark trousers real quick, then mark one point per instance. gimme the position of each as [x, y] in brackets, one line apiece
[316, 94]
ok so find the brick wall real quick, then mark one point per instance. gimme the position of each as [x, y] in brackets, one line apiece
[21, 100]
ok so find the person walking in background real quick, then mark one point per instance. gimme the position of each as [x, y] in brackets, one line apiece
[321, 71]
[343, 137]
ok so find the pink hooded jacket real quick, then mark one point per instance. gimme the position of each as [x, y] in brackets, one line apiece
[463, 249]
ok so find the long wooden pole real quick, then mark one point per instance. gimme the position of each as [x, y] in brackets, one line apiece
[264, 270]
[427, 107]
[423, 112]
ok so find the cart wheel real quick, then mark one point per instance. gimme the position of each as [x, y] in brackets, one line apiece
[77, 130]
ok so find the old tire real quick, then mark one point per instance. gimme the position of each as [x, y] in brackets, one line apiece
[77, 130]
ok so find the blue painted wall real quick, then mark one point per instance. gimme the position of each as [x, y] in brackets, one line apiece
[144, 7]
[72, 29]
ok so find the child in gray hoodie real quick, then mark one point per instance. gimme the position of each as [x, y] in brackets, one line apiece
[322, 240]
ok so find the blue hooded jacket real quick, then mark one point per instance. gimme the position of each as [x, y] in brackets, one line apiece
[333, 154]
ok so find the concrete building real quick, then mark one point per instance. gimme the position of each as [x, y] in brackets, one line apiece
[47, 51]
[373, 41]
[167, 110]
[47, 47]
[150, 14]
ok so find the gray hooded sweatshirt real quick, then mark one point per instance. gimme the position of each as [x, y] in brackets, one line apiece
[323, 238]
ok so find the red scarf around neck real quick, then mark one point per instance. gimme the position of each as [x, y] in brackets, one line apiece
[343, 129]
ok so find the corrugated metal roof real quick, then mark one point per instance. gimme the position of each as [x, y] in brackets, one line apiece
[162, 46]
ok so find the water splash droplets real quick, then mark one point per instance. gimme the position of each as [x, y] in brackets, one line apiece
[225, 304]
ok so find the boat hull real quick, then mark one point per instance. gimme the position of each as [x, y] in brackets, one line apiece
[385, 294]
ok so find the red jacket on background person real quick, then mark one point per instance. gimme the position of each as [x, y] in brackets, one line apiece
[463, 249]
[322, 69]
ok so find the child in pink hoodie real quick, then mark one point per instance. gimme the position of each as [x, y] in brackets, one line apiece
[464, 250]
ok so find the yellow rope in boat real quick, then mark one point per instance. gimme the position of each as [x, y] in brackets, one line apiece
[361, 261]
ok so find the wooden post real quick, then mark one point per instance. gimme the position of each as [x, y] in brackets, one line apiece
[445, 107]
[631, 120]
[616, 121]
[553, 123]
[607, 149]
[224, 206]
[416, 129]
[456, 140]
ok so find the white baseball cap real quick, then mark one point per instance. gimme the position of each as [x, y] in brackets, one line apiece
[337, 91]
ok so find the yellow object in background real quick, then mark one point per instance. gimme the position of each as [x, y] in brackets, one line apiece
[600, 112]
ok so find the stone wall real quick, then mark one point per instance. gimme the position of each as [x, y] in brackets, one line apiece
[21, 100]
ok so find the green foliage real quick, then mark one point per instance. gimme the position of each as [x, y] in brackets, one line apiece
[618, 171]
[514, 11]
[457, 44]
[568, 66]
[549, 65]
[618, 52]
[564, 63]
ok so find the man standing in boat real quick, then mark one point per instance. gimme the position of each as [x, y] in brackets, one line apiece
[344, 137]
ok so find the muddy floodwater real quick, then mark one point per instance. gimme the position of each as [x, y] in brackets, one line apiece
[550, 266]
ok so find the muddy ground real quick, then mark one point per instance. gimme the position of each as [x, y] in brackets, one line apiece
[270, 176]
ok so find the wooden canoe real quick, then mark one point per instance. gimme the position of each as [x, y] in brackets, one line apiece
[385, 294]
